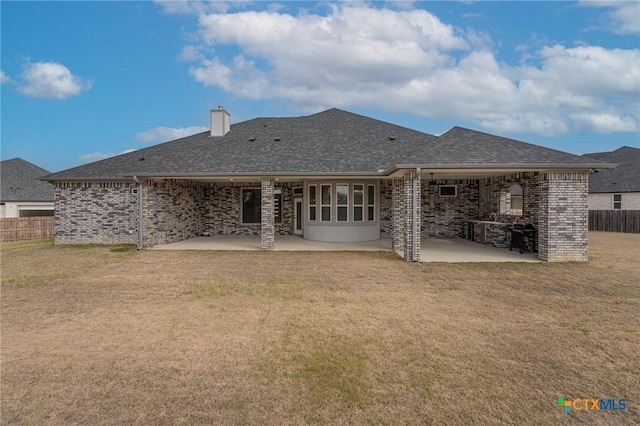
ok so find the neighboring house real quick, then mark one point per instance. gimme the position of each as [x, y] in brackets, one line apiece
[618, 188]
[330, 176]
[23, 194]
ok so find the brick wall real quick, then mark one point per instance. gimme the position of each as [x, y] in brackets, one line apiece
[223, 214]
[267, 230]
[490, 199]
[103, 212]
[443, 216]
[412, 217]
[562, 217]
[386, 209]
[398, 214]
[174, 210]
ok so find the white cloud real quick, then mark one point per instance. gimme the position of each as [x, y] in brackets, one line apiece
[164, 134]
[97, 156]
[184, 7]
[400, 4]
[410, 61]
[50, 80]
[190, 53]
[604, 122]
[4, 78]
[623, 17]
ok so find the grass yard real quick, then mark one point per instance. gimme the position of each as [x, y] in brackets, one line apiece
[104, 335]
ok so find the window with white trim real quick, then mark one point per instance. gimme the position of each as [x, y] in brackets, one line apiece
[371, 202]
[342, 202]
[358, 202]
[313, 203]
[325, 203]
[617, 201]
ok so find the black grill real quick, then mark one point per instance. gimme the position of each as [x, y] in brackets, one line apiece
[523, 237]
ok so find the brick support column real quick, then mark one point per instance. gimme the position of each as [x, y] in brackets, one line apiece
[397, 229]
[148, 198]
[412, 222]
[267, 230]
[563, 222]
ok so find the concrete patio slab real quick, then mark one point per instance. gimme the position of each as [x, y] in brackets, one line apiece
[456, 250]
[433, 250]
[282, 243]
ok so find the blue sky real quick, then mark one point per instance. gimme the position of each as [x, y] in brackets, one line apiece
[86, 80]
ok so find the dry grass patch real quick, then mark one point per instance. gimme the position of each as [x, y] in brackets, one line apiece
[102, 336]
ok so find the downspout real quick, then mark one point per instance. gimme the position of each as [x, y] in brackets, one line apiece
[414, 231]
[140, 214]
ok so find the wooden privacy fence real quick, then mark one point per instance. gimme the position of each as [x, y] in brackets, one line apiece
[26, 228]
[615, 221]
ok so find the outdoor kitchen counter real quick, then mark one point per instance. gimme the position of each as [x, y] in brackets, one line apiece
[491, 233]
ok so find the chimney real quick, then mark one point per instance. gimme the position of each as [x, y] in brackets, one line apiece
[219, 121]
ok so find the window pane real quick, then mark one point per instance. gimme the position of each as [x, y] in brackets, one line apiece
[371, 213]
[326, 214]
[312, 213]
[342, 192]
[326, 194]
[312, 194]
[617, 201]
[251, 203]
[357, 214]
[448, 190]
[358, 194]
[371, 196]
[342, 214]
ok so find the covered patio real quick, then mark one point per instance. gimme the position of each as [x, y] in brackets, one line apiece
[433, 250]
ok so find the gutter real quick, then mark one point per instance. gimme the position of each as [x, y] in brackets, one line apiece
[377, 174]
[497, 167]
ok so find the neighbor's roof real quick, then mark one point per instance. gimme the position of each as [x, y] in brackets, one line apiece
[624, 178]
[329, 142]
[20, 181]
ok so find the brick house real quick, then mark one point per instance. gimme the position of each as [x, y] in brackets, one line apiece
[22, 193]
[618, 188]
[330, 176]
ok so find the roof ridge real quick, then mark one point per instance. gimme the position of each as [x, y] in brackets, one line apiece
[369, 118]
[508, 139]
[28, 164]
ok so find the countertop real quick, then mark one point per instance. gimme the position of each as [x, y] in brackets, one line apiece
[489, 222]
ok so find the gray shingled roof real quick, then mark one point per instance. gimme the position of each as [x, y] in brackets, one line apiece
[624, 178]
[329, 142]
[20, 181]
